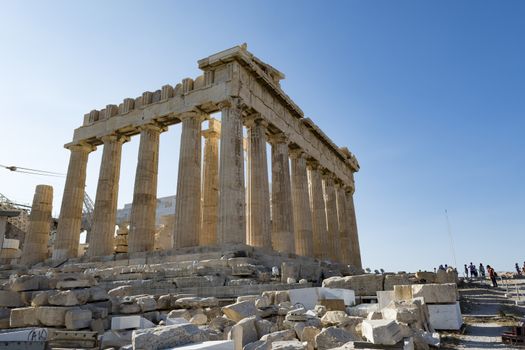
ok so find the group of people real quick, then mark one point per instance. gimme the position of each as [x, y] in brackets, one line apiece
[480, 272]
[520, 271]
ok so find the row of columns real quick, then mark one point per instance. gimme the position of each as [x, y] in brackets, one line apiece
[309, 212]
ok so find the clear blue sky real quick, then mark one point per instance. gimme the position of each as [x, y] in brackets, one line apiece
[428, 94]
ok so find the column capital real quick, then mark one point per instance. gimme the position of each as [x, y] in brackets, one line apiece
[350, 189]
[312, 164]
[82, 147]
[296, 153]
[153, 127]
[115, 138]
[199, 116]
[327, 175]
[278, 138]
[254, 119]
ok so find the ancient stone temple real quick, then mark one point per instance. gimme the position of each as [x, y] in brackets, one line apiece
[224, 196]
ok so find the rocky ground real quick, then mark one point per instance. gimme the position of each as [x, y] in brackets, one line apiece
[487, 313]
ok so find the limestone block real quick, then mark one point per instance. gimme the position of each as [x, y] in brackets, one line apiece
[209, 345]
[384, 298]
[98, 294]
[98, 311]
[8, 253]
[347, 295]
[176, 320]
[241, 310]
[393, 280]
[78, 319]
[403, 293]
[262, 302]
[287, 334]
[436, 293]
[289, 345]
[199, 319]
[308, 297]
[181, 313]
[164, 302]
[80, 283]
[129, 307]
[401, 312]
[426, 277]
[167, 337]
[130, 322]
[362, 310]
[24, 283]
[40, 299]
[82, 295]
[63, 298]
[384, 332]
[281, 296]
[116, 339]
[264, 327]
[443, 316]
[196, 302]
[147, 303]
[244, 332]
[221, 323]
[10, 299]
[308, 335]
[333, 337]
[363, 285]
[10, 243]
[121, 291]
[23, 317]
[53, 316]
[39, 334]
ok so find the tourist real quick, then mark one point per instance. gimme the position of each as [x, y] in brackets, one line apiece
[441, 267]
[492, 275]
[523, 268]
[466, 271]
[473, 270]
[518, 271]
[481, 270]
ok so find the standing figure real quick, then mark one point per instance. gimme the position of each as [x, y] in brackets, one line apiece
[473, 271]
[492, 275]
[466, 271]
[518, 270]
[482, 270]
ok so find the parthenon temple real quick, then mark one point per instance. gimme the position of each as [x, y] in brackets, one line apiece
[224, 195]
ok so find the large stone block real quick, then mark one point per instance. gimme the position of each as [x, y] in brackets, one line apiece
[78, 318]
[244, 332]
[209, 345]
[426, 277]
[53, 316]
[403, 293]
[63, 298]
[10, 299]
[384, 332]
[333, 337]
[401, 312]
[241, 310]
[130, 322]
[289, 345]
[167, 337]
[363, 285]
[436, 293]
[23, 317]
[384, 298]
[395, 280]
[196, 302]
[444, 316]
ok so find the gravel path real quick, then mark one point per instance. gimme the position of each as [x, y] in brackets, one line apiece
[487, 313]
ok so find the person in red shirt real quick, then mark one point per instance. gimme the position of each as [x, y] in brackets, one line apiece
[492, 275]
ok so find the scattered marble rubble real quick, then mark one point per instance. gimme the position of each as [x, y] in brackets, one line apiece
[111, 306]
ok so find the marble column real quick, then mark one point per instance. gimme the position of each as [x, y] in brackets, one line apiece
[210, 184]
[302, 214]
[37, 236]
[317, 206]
[331, 216]
[342, 219]
[355, 250]
[68, 231]
[232, 210]
[282, 212]
[188, 200]
[141, 236]
[259, 233]
[105, 211]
